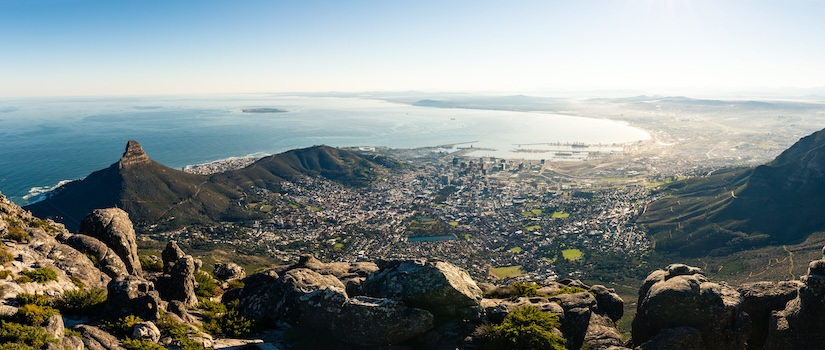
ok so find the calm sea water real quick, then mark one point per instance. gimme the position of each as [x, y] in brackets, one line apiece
[44, 141]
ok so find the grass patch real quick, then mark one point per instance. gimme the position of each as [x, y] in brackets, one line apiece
[338, 246]
[560, 215]
[571, 254]
[453, 223]
[268, 208]
[506, 271]
[532, 228]
[516, 250]
[536, 211]
[40, 275]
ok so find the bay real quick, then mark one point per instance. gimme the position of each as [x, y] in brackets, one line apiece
[46, 140]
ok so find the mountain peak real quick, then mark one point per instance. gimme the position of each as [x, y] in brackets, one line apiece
[134, 154]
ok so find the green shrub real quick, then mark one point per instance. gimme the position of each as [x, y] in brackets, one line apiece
[40, 275]
[71, 333]
[233, 284]
[137, 344]
[225, 319]
[77, 282]
[151, 263]
[34, 337]
[17, 234]
[4, 274]
[122, 327]
[5, 256]
[524, 328]
[235, 325]
[15, 346]
[525, 289]
[207, 286]
[180, 333]
[33, 299]
[81, 301]
[570, 290]
[33, 314]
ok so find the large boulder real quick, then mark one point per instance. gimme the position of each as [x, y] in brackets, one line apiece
[146, 330]
[180, 283]
[608, 303]
[101, 255]
[170, 255]
[436, 286]
[760, 300]
[113, 227]
[602, 333]
[299, 297]
[681, 296]
[799, 324]
[576, 318]
[367, 321]
[96, 339]
[228, 271]
[132, 295]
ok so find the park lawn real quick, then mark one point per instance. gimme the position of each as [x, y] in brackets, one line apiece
[571, 254]
[506, 271]
[536, 211]
[560, 215]
[266, 208]
[338, 246]
[515, 250]
[453, 223]
[532, 228]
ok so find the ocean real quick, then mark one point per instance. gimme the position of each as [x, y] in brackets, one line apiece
[44, 141]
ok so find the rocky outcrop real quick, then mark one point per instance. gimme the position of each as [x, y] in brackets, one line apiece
[66, 258]
[681, 296]
[170, 255]
[133, 154]
[132, 295]
[228, 271]
[495, 310]
[602, 333]
[146, 331]
[760, 300]
[113, 227]
[799, 324]
[608, 303]
[435, 286]
[677, 338]
[101, 255]
[96, 339]
[367, 321]
[180, 283]
[576, 318]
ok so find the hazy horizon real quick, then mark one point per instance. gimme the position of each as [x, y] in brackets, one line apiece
[98, 48]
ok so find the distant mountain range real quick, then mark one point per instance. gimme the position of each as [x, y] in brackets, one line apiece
[155, 194]
[776, 203]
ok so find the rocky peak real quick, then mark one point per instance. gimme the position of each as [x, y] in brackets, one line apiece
[134, 154]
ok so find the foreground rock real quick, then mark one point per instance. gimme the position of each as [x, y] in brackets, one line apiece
[132, 295]
[369, 321]
[760, 299]
[96, 339]
[799, 324]
[435, 286]
[113, 227]
[682, 297]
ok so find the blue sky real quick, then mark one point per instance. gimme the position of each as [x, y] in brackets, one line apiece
[77, 47]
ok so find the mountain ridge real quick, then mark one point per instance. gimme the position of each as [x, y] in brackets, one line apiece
[153, 193]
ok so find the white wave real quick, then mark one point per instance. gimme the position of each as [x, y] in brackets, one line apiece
[40, 193]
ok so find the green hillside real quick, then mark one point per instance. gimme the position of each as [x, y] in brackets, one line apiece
[776, 203]
[155, 194]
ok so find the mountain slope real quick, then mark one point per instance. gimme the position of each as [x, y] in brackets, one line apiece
[155, 194]
[776, 203]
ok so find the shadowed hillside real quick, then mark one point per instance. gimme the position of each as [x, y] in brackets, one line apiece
[153, 193]
[776, 203]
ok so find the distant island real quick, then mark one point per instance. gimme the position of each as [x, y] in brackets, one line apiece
[263, 110]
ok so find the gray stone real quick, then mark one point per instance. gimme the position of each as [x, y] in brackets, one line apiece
[132, 295]
[113, 227]
[228, 271]
[96, 339]
[107, 260]
[759, 300]
[435, 286]
[170, 255]
[367, 321]
[146, 331]
[608, 303]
